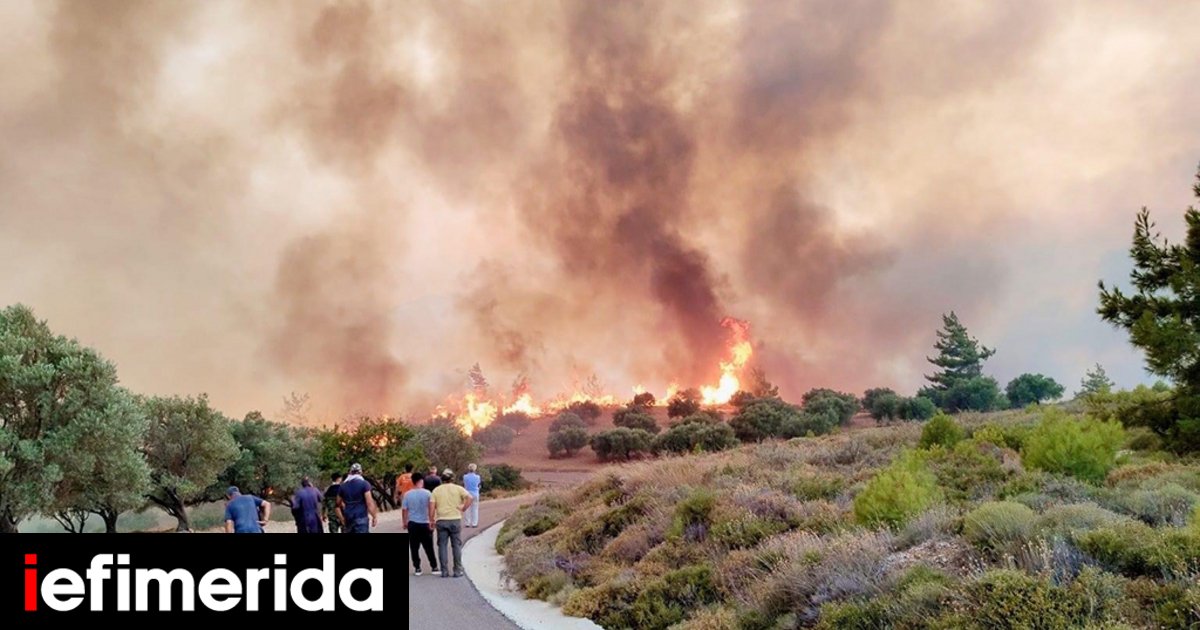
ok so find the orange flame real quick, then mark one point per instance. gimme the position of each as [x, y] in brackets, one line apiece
[739, 351]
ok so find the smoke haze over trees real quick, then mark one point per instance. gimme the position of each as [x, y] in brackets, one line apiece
[359, 200]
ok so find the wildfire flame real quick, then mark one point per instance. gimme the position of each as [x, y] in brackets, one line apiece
[477, 409]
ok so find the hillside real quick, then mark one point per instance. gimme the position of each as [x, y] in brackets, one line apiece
[864, 530]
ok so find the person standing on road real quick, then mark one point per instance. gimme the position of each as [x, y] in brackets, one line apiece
[404, 483]
[307, 508]
[355, 503]
[432, 480]
[473, 483]
[331, 512]
[245, 513]
[415, 511]
[449, 502]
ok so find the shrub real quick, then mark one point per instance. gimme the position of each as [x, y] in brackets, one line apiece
[768, 418]
[671, 598]
[692, 437]
[518, 421]
[970, 470]
[870, 396]
[621, 443]
[884, 406]
[746, 530]
[1032, 389]
[1005, 598]
[808, 424]
[1069, 521]
[637, 420]
[693, 516]
[587, 411]
[495, 438]
[917, 408]
[980, 393]
[567, 420]
[1084, 448]
[902, 490]
[707, 416]
[685, 403]
[842, 404]
[1157, 504]
[941, 430]
[644, 399]
[503, 477]
[566, 442]
[999, 526]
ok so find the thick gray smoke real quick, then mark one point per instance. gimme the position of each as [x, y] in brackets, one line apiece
[360, 200]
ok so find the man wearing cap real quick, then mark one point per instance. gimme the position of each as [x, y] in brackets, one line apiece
[447, 503]
[242, 512]
[355, 505]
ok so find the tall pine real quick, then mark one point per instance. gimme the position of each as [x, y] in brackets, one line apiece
[960, 356]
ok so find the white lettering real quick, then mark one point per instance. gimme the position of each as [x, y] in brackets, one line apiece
[325, 576]
[374, 601]
[96, 574]
[143, 577]
[209, 589]
[62, 589]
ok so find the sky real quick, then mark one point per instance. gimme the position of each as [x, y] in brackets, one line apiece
[360, 201]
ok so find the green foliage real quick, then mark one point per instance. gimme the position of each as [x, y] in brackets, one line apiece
[502, 477]
[774, 418]
[637, 420]
[1159, 408]
[59, 402]
[587, 411]
[566, 442]
[999, 526]
[1006, 598]
[693, 515]
[187, 446]
[644, 399]
[684, 403]
[518, 421]
[917, 408]
[981, 393]
[383, 446]
[821, 400]
[696, 436]
[443, 444]
[1095, 381]
[1032, 389]
[941, 430]
[673, 597]
[1084, 448]
[621, 443]
[271, 460]
[567, 420]
[970, 470]
[902, 490]
[495, 438]
[871, 396]
[883, 406]
[960, 358]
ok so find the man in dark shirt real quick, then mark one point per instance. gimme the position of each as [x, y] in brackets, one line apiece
[306, 507]
[242, 512]
[433, 479]
[356, 504]
[331, 495]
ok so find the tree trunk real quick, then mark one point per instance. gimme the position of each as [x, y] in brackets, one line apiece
[181, 515]
[8, 525]
[110, 520]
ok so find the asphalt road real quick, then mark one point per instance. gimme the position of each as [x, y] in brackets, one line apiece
[453, 603]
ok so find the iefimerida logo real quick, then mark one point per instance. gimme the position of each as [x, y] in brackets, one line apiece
[218, 590]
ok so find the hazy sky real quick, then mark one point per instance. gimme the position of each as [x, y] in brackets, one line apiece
[361, 200]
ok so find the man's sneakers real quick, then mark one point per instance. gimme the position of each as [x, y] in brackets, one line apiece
[418, 573]
[459, 574]
[445, 575]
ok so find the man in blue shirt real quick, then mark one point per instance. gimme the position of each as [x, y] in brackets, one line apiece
[355, 505]
[415, 511]
[242, 513]
[306, 507]
[473, 483]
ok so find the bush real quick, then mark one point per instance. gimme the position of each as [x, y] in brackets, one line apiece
[518, 421]
[979, 393]
[1084, 448]
[971, 470]
[644, 399]
[693, 516]
[702, 417]
[566, 442]
[495, 438]
[445, 444]
[902, 490]
[566, 420]
[767, 418]
[941, 430]
[502, 477]
[1005, 598]
[917, 408]
[695, 436]
[1032, 389]
[870, 396]
[637, 420]
[884, 406]
[808, 424]
[820, 400]
[673, 597]
[685, 403]
[999, 526]
[1072, 520]
[621, 443]
[587, 411]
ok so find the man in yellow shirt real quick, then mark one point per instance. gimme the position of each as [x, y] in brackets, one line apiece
[446, 509]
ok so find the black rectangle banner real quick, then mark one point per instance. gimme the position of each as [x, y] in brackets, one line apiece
[47, 580]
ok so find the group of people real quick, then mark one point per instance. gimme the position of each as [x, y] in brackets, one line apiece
[434, 502]
[346, 506]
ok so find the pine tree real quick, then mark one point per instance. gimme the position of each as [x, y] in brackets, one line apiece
[960, 356]
[476, 380]
[1095, 381]
[1162, 315]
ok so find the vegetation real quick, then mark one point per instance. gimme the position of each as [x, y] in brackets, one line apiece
[959, 383]
[1032, 389]
[188, 445]
[567, 441]
[586, 410]
[822, 401]
[567, 420]
[518, 421]
[869, 529]
[495, 438]
[621, 443]
[694, 437]
[1095, 381]
[684, 403]
[637, 420]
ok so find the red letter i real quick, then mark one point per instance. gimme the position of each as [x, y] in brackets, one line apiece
[31, 597]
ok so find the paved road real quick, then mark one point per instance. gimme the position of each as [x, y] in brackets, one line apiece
[453, 604]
